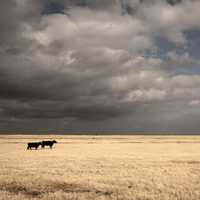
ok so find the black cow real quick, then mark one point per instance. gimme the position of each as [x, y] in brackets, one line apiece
[33, 145]
[48, 143]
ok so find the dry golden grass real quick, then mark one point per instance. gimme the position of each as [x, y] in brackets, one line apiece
[101, 167]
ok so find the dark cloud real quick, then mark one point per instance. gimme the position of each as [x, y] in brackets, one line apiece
[87, 65]
[53, 6]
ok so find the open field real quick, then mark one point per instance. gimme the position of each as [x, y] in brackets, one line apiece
[101, 167]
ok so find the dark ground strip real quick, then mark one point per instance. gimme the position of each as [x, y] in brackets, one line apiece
[16, 188]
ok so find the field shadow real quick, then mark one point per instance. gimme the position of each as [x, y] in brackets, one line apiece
[186, 161]
[52, 187]
[16, 188]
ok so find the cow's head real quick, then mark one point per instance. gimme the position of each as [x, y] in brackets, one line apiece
[54, 141]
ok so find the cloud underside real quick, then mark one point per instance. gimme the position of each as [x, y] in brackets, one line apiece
[99, 63]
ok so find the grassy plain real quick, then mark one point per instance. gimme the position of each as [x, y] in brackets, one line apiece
[101, 168]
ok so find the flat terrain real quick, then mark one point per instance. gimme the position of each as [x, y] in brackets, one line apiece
[101, 167]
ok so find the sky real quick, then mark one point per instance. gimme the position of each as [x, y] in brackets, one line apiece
[99, 66]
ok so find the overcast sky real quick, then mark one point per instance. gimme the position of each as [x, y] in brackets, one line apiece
[99, 65]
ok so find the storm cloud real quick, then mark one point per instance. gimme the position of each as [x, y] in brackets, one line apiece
[118, 65]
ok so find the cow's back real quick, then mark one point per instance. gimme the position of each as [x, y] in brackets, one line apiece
[47, 142]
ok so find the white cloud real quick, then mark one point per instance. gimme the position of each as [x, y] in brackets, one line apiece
[194, 102]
